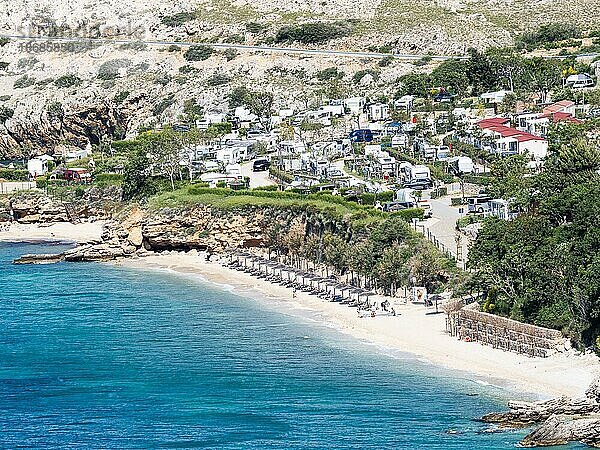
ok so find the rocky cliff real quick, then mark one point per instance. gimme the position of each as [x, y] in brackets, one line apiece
[36, 207]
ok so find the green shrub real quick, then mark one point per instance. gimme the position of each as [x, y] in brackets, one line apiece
[41, 182]
[457, 201]
[162, 105]
[4, 41]
[109, 70]
[361, 73]
[409, 214]
[331, 73]
[24, 82]
[384, 62]
[173, 48]
[218, 79]
[255, 27]
[546, 34]
[313, 33]
[162, 78]
[6, 113]
[108, 179]
[67, 81]
[55, 111]
[14, 174]
[267, 188]
[178, 19]
[386, 196]
[281, 175]
[367, 198]
[230, 54]
[198, 53]
[187, 69]
[4, 65]
[121, 97]
[135, 46]
[480, 180]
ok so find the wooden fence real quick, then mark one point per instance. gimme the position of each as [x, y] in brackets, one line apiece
[470, 324]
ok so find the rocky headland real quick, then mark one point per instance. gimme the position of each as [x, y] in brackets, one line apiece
[557, 421]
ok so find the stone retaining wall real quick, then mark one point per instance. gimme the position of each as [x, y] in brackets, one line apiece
[470, 324]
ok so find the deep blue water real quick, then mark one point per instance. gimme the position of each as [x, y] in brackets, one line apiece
[96, 356]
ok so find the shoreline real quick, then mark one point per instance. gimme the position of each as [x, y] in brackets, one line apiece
[57, 231]
[412, 331]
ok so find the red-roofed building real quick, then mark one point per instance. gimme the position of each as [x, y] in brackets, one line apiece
[538, 124]
[560, 117]
[508, 140]
[564, 106]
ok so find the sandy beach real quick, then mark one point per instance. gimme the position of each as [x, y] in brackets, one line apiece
[412, 330]
[61, 231]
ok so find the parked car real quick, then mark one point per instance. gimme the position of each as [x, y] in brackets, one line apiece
[478, 205]
[260, 165]
[418, 184]
[425, 205]
[363, 135]
[444, 97]
[398, 206]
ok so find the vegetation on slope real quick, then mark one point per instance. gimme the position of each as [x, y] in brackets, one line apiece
[544, 267]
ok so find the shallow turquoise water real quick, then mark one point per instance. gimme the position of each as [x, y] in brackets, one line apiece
[95, 356]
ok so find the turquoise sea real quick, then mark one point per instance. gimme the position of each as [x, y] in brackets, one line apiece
[97, 356]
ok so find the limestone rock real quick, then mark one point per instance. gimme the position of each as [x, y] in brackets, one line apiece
[563, 419]
[560, 430]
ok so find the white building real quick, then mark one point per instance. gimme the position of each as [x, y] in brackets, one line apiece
[377, 112]
[355, 104]
[38, 166]
[510, 140]
[494, 98]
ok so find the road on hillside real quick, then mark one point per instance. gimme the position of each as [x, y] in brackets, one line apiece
[257, 179]
[262, 48]
[442, 225]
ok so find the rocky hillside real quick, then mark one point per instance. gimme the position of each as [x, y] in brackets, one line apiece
[50, 99]
[75, 94]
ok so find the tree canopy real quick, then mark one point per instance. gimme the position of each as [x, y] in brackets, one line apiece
[544, 266]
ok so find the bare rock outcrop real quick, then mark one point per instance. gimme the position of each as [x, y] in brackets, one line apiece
[562, 429]
[200, 228]
[562, 420]
[36, 207]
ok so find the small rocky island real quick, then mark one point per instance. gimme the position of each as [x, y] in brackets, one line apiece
[558, 421]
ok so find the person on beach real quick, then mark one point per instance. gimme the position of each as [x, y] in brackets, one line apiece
[294, 293]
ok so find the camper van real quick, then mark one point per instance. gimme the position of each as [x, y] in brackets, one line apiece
[400, 141]
[419, 172]
[580, 81]
[460, 165]
[478, 205]
[443, 152]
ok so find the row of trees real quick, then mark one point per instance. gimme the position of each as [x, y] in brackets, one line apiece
[496, 69]
[544, 267]
[388, 257]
